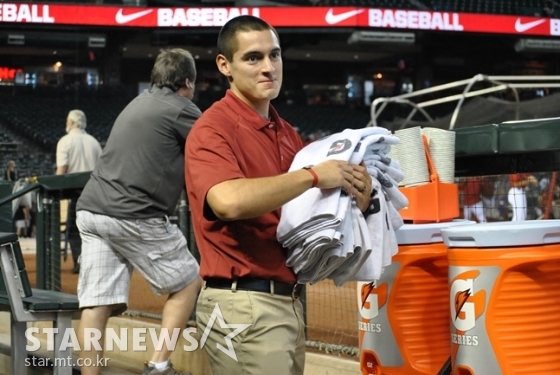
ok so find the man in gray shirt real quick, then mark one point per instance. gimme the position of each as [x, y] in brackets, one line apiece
[123, 212]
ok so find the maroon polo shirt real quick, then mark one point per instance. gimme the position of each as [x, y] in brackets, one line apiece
[231, 140]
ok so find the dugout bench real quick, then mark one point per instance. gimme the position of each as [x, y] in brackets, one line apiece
[28, 304]
[46, 302]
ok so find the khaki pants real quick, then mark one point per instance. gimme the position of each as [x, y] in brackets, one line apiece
[273, 343]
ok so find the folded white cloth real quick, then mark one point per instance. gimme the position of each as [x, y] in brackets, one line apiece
[324, 231]
[301, 213]
[348, 270]
[338, 146]
[382, 236]
[331, 257]
[325, 208]
[395, 173]
[390, 186]
[374, 143]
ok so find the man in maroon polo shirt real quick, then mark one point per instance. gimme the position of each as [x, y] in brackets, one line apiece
[237, 159]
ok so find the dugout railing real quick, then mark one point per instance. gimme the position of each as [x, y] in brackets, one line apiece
[49, 191]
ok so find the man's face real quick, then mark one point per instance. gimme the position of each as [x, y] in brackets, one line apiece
[256, 70]
[68, 125]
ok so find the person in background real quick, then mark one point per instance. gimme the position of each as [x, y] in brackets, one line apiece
[488, 194]
[237, 160]
[472, 199]
[516, 194]
[22, 216]
[123, 212]
[11, 173]
[76, 152]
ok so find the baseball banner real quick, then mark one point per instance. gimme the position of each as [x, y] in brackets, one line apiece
[325, 17]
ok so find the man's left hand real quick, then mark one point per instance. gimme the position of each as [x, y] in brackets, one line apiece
[361, 187]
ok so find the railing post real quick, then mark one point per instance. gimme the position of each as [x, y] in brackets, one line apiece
[43, 209]
[54, 245]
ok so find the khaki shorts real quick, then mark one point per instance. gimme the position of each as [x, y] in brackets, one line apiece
[112, 248]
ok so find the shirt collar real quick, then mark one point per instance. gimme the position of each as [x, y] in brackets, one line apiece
[248, 113]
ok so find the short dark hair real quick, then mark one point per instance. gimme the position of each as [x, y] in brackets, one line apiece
[227, 39]
[172, 67]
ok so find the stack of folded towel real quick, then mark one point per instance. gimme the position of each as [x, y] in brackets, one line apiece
[326, 234]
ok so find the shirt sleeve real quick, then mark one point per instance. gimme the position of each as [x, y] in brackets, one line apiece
[186, 120]
[209, 160]
[62, 149]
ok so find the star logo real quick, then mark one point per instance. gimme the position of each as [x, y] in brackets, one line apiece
[237, 329]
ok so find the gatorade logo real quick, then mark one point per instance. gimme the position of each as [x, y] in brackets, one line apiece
[467, 304]
[370, 299]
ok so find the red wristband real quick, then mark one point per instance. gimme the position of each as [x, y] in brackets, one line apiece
[315, 177]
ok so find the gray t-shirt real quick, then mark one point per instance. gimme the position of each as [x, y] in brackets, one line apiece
[140, 173]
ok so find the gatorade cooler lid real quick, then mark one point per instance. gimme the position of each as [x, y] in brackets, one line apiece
[503, 234]
[410, 234]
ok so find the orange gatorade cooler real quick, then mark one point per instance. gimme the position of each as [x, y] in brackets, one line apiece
[504, 281]
[403, 317]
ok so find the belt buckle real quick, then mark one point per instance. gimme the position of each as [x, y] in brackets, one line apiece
[296, 291]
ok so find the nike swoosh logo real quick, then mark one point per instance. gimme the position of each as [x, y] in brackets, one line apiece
[337, 18]
[125, 18]
[522, 27]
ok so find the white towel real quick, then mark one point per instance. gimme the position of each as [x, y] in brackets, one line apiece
[301, 213]
[338, 146]
[383, 238]
[348, 270]
[331, 256]
[390, 186]
[316, 208]
[393, 172]
[372, 143]
[396, 219]
[326, 234]
[304, 254]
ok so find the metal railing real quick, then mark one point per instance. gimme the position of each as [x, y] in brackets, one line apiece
[498, 83]
[50, 190]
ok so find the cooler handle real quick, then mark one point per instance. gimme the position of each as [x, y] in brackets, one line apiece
[433, 173]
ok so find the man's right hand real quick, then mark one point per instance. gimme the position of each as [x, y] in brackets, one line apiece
[333, 174]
